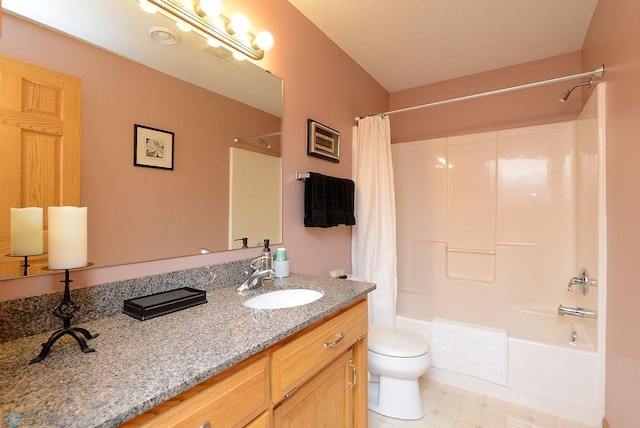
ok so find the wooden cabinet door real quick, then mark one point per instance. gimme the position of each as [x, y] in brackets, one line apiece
[301, 358]
[40, 135]
[325, 401]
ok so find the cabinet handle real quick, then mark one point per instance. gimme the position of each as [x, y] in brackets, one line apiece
[206, 425]
[355, 380]
[332, 344]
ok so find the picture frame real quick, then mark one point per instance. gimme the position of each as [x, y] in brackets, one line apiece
[152, 148]
[322, 141]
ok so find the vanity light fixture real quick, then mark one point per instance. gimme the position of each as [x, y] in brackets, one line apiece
[205, 18]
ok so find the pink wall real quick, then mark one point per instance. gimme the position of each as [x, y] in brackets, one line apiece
[521, 108]
[321, 82]
[614, 39]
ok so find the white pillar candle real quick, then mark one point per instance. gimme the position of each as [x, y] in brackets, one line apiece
[67, 237]
[26, 231]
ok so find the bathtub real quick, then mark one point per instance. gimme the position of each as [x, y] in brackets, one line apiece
[552, 368]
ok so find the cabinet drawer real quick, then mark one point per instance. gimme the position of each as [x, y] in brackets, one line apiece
[304, 356]
[262, 421]
[231, 401]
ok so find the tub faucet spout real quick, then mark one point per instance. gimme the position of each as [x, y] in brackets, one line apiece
[577, 312]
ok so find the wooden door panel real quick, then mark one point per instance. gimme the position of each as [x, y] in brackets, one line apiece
[40, 137]
[325, 401]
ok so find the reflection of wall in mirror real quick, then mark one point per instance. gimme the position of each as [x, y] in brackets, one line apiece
[255, 202]
[140, 214]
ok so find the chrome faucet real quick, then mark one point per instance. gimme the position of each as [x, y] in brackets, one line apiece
[260, 269]
[577, 312]
[583, 281]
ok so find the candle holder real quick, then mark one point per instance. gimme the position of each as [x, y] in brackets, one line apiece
[25, 266]
[65, 311]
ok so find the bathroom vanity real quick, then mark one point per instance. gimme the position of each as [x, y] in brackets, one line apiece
[311, 376]
[219, 363]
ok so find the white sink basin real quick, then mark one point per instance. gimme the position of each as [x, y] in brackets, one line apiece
[283, 299]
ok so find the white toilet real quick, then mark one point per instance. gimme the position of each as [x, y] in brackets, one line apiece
[397, 358]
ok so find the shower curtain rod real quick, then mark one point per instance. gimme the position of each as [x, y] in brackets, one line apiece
[271, 134]
[598, 72]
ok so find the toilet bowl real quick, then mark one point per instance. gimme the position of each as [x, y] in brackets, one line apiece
[397, 358]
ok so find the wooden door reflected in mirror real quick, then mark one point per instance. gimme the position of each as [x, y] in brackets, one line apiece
[40, 133]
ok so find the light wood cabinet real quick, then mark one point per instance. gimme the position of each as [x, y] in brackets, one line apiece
[317, 377]
[230, 400]
[326, 400]
[302, 357]
[262, 421]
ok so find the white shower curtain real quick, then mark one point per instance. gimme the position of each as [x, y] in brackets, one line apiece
[373, 238]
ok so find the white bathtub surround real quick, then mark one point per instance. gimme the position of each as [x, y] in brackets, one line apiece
[470, 350]
[373, 242]
[491, 228]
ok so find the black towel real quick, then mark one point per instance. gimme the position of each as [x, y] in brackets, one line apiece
[328, 201]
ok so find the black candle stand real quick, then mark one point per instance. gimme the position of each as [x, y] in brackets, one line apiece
[26, 264]
[65, 310]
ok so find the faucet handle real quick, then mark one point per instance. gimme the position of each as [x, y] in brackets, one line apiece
[583, 281]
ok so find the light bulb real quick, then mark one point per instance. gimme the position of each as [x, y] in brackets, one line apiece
[211, 7]
[239, 56]
[213, 42]
[264, 40]
[147, 7]
[219, 22]
[183, 26]
[240, 24]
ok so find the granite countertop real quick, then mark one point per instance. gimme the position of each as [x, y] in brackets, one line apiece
[139, 364]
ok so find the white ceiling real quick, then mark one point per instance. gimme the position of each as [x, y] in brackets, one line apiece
[407, 43]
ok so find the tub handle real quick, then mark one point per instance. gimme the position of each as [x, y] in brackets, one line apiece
[583, 281]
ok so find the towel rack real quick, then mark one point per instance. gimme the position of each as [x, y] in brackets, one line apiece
[302, 175]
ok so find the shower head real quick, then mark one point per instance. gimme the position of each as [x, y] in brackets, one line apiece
[565, 95]
[259, 140]
[265, 142]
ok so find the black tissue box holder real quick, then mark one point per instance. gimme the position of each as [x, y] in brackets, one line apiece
[155, 305]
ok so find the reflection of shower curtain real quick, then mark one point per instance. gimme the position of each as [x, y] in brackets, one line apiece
[373, 239]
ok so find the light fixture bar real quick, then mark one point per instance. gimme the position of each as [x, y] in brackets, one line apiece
[175, 10]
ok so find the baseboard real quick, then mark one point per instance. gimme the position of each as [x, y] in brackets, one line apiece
[605, 424]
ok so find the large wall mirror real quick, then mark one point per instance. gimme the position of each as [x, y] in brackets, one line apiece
[225, 115]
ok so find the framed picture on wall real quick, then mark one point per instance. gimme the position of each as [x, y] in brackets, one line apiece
[152, 147]
[322, 141]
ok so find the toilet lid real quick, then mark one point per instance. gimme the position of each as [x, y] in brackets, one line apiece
[395, 342]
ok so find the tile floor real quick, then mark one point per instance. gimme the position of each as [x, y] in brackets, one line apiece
[448, 407]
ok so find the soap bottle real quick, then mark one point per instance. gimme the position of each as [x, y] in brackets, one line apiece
[281, 263]
[267, 263]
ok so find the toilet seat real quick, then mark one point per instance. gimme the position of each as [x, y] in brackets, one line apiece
[396, 342]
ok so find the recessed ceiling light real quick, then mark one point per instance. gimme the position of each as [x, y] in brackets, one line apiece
[163, 35]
